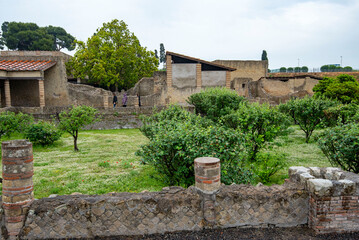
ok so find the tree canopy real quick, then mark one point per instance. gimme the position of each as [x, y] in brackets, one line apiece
[30, 37]
[113, 56]
[344, 87]
[264, 55]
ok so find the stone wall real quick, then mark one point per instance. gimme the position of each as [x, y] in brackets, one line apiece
[246, 68]
[277, 90]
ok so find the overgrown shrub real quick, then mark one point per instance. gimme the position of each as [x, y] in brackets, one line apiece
[259, 123]
[344, 88]
[215, 102]
[168, 119]
[172, 150]
[307, 112]
[11, 122]
[43, 133]
[343, 113]
[341, 146]
[266, 165]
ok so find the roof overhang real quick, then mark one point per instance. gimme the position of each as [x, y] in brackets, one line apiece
[22, 75]
[206, 66]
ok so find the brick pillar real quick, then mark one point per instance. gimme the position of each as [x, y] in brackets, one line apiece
[7, 93]
[199, 75]
[333, 206]
[208, 180]
[169, 70]
[42, 93]
[228, 79]
[17, 172]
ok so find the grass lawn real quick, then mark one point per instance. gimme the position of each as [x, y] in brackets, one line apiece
[106, 163]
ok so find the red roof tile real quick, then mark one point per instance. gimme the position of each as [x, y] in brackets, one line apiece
[13, 65]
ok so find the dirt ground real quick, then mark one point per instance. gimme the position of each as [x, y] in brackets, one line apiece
[296, 233]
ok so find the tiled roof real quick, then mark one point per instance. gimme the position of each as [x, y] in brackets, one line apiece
[13, 65]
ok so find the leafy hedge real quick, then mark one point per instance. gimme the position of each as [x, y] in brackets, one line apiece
[341, 146]
[43, 133]
[11, 123]
[215, 102]
[176, 143]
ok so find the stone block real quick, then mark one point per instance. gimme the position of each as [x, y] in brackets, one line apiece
[320, 187]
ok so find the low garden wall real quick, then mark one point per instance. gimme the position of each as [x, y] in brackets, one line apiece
[324, 199]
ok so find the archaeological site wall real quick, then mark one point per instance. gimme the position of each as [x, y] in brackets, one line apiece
[324, 199]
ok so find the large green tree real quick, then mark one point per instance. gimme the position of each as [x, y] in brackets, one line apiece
[162, 53]
[344, 87]
[113, 56]
[29, 36]
[264, 56]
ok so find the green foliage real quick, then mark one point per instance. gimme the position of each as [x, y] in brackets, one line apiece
[267, 165]
[264, 56]
[307, 112]
[341, 146]
[344, 87]
[297, 69]
[29, 36]
[290, 69]
[342, 113]
[215, 102]
[283, 69]
[11, 123]
[162, 53]
[42, 133]
[259, 123]
[178, 137]
[75, 119]
[167, 119]
[113, 56]
[333, 68]
[304, 69]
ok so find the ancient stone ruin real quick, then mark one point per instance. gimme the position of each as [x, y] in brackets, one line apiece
[324, 199]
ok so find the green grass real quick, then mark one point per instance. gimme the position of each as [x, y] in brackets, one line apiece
[298, 153]
[107, 163]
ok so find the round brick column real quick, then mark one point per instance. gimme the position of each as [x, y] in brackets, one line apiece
[207, 173]
[17, 191]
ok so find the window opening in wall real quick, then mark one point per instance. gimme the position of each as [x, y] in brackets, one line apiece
[243, 85]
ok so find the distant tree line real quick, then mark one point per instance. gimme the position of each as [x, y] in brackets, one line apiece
[334, 68]
[30, 37]
[303, 69]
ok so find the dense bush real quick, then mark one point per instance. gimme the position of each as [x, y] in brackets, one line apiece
[259, 123]
[215, 102]
[11, 122]
[168, 119]
[341, 146]
[344, 88]
[172, 150]
[307, 112]
[43, 133]
[343, 113]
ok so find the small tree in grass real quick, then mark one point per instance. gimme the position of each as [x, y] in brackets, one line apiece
[75, 119]
[307, 112]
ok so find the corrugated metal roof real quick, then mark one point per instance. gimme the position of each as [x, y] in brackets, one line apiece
[13, 65]
[200, 61]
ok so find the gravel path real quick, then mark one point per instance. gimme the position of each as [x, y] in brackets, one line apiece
[297, 233]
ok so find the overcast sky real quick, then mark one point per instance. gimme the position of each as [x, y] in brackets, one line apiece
[316, 32]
